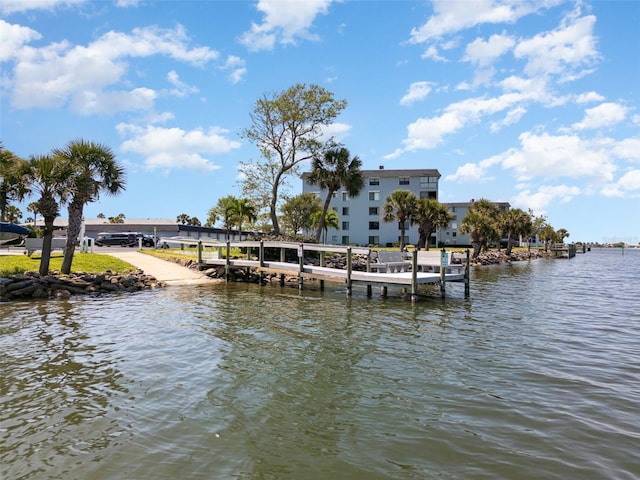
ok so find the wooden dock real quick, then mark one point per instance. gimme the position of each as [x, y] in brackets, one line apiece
[563, 250]
[433, 268]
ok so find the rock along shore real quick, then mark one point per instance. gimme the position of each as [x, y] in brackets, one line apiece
[33, 285]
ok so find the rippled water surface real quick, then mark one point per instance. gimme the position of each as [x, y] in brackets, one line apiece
[537, 375]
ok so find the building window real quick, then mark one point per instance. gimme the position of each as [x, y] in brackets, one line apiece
[424, 194]
[428, 182]
[334, 239]
[345, 240]
[374, 181]
[374, 240]
[345, 225]
[374, 196]
[404, 181]
[345, 211]
[374, 225]
[454, 234]
[374, 211]
[345, 197]
[405, 223]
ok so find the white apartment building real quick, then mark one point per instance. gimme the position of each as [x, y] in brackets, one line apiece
[360, 217]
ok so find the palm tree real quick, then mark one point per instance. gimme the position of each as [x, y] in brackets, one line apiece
[514, 224]
[429, 215]
[480, 223]
[244, 210]
[399, 206]
[183, 219]
[49, 179]
[335, 170]
[12, 185]
[95, 171]
[330, 220]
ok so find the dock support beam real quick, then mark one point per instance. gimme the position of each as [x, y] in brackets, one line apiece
[227, 267]
[443, 267]
[300, 265]
[349, 268]
[414, 275]
[466, 275]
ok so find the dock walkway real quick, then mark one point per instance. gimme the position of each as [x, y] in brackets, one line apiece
[417, 274]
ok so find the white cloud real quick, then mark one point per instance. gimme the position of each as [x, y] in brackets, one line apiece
[589, 97]
[604, 115]
[90, 78]
[284, 21]
[539, 200]
[563, 51]
[236, 68]
[14, 6]
[549, 156]
[417, 91]
[453, 16]
[469, 173]
[174, 148]
[339, 131]
[13, 38]
[483, 53]
[428, 133]
[181, 89]
[513, 116]
[630, 181]
[628, 150]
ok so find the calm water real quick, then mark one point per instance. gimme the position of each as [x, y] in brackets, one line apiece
[537, 375]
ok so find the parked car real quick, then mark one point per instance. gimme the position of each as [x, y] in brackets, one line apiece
[122, 239]
[147, 240]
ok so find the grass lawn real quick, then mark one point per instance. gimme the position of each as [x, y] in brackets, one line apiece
[82, 262]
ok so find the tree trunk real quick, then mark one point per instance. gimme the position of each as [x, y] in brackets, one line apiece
[325, 209]
[45, 259]
[73, 230]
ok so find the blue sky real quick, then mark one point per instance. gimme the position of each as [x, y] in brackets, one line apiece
[532, 102]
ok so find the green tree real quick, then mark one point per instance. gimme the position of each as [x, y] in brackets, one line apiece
[48, 179]
[297, 212]
[232, 212]
[561, 234]
[330, 220]
[429, 215]
[399, 206]
[117, 219]
[480, 224]
[195, 222]
[13, 214]
[33, 208]
[287, 128]
[95, 171]
[548, 235]
[514, 224]
[333, 171]
[183, 219]
[12, 184]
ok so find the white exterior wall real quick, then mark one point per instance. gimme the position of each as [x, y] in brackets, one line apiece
[357, 216]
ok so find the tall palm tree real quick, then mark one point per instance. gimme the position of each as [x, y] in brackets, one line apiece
[514, 223]
[95, 171]
[480, 223]
[399, 206]
[429, 215]
[335, 170]
[49, 179]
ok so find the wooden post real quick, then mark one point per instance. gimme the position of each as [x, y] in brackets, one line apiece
[369, 290]
[261, 253]
[199, 253]
[349, 288]
[301, 265]
[414, 275]
[466, 276]
[443, 254]
[226, 263]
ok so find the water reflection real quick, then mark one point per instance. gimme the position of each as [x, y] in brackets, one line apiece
[56, 399]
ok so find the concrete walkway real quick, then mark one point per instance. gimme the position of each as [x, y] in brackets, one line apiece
[168, 272]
